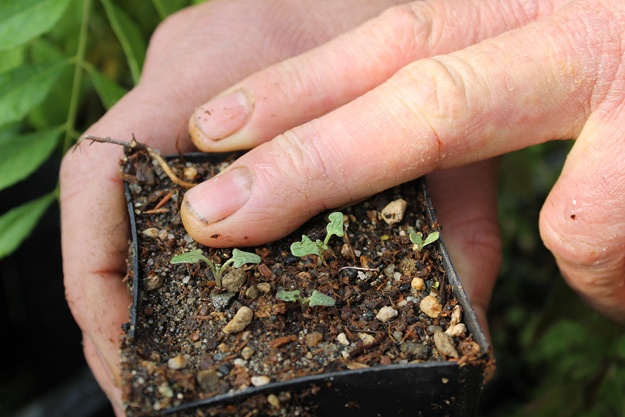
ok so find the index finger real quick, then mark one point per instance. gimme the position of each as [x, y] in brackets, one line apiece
[521, 88]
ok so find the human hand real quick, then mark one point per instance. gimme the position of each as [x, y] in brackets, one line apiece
[436, 87]
[192, 56]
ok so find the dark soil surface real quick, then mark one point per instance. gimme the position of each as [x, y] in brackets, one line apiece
[392, 301]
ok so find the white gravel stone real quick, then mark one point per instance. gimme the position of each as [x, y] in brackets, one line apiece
[240, 321]
[386, 313]
[177, 362]
[431, 306]
[273, 400]
[445, 344]
[260, 380]
[342, 339]
[394, 211]
[457, 330]
[151, 232]
[366, 338]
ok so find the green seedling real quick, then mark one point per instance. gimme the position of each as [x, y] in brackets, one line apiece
[238, 259]
[307, 247]
[316, 298]
[417, 238]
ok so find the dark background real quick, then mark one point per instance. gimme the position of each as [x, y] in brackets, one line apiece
[43, 370]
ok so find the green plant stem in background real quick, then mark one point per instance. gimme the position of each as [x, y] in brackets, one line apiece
[77, 80]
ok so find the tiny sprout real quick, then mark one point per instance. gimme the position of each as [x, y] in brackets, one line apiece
[316, 298]
[238, 259]
[417, 238]
[307, 247]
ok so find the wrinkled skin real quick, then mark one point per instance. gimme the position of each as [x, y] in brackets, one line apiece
[340, 102]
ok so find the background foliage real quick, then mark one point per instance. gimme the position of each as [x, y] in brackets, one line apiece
[63, 63]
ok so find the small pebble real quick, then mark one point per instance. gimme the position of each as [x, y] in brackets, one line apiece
[247, 352]
[190, 173]
[431, 306]
[240, 321]
[264, 287]
[273, 400]
[208, 380]
[445, 344]
[394, 211]
[389, 271]
[457, 330]
[313, 339]
[165, 390]
[386, 313]
[239, 362]
[163, 234]
[342, 339]
[456, 316]
[431, 329]
[366, 338]
[234, 280]
[152, 232]
[260, 380]
[418, 350]
[417, 284]
[177, 362]
[153, 282]
[252, 292]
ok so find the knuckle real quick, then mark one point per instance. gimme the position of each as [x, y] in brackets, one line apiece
[298, 158]
[434, 93]
[410, 24]
[307, 168]
[441, 83]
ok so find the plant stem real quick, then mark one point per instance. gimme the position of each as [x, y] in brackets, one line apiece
[160, 9]
[78, 68]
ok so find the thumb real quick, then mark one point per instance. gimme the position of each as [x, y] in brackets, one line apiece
[583, 221]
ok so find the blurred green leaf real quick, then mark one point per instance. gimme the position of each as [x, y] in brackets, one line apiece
[23, 154]
[17, 224]
[129, 36]
[11, 58]
[52, 111]
[23, 20]
[108, 91]
[44, 52]
[24, 88]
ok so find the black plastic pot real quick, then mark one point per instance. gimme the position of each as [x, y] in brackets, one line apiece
[442, 388]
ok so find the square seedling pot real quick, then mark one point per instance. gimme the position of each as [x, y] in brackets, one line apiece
[175, 362]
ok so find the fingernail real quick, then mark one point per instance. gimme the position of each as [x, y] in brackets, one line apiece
[219, 197]
[222, 116]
